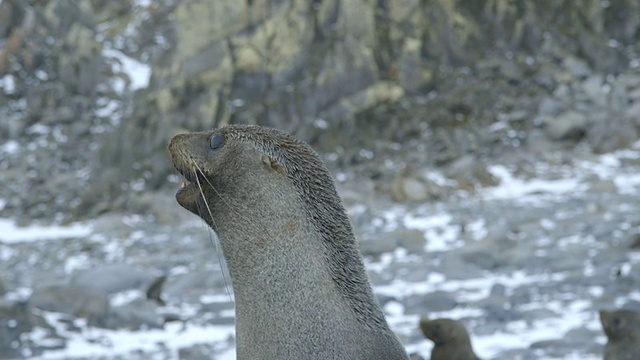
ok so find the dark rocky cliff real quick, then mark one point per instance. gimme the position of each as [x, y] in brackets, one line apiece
[333, 72]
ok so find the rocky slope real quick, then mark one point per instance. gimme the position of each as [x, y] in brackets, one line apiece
[83, 133]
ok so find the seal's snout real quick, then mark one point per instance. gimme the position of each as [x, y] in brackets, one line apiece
[178, 156]
[177, 152]
[175, 142]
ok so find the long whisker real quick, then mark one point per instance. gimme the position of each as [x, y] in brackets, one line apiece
[222, 197]
[215, 243]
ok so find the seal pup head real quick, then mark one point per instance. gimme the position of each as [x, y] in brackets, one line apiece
[444, 331]
[620, 325]
[450, 338]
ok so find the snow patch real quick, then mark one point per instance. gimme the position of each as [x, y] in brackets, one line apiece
[12, 233]
[138, 72]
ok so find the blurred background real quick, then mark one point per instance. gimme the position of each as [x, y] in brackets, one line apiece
[486, 151]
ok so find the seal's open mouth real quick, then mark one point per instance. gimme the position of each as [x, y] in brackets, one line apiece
[189, 183]
[185, 185]
[190, 193]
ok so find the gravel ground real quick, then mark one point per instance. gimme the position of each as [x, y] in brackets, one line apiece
[525, 264]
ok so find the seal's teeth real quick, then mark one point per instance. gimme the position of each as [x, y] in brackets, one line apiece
[184, 184]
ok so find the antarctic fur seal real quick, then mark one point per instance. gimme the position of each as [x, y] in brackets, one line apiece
[450, 337]
[300, 285]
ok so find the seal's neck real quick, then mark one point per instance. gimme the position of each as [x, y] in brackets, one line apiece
[291, 303]
[286, 299]
[279, 263]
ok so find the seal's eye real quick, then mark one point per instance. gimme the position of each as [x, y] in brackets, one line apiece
[616, 321]
[216, 141]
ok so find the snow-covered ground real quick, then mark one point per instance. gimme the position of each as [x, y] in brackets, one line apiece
[442, 234]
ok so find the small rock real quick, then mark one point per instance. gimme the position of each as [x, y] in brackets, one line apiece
[632, 113]
[602, 186]
[610, 134]
[539, 314]
[498, 311]
[378, 245]
[498, 290]
[454, 267]
[547, 344]
[538, 142]
[16, 320]
[113, 278]
[570, 125]
[634, 241]
[79, 302]
[409, 189]
[412, 72]
[412, 185]
[592, 87]
[578, 67]
[138, 314]
[411, 240]
[550, 107]
[198, 352]
[581, 338]
[217, 307]
[484, 259]
[154, 291]
[470, 173]
[3, 287]
[520, 354]
[192, 285]
[618, 98]
[415, 356]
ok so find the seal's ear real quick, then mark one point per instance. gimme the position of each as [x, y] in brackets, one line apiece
[273, 164]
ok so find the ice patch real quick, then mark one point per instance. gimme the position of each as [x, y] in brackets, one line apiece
[528, 191]
[466, 290]
[11, 233]
[96, 342]
[79, 261]
[138, 73]
[8, 83]
[10, 147]
[627, 183]
[441, 235]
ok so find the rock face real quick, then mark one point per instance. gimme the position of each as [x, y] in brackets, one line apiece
[59, 89]
[319, 68]
[289, 64]
[332, 72]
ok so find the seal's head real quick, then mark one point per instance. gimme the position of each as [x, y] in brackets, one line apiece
[444, 331]
[253, 167]
[621, 324]
[229, 163]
